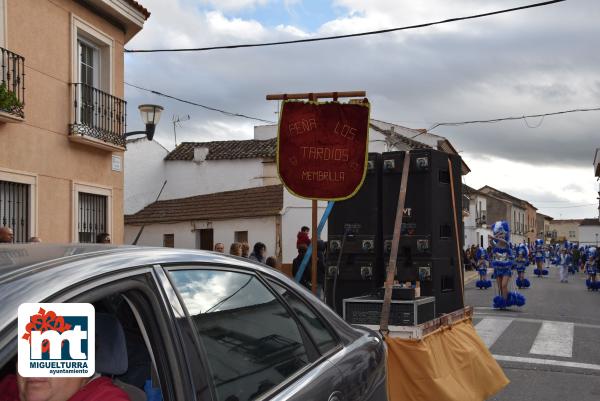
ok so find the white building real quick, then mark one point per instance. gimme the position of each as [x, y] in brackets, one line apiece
[198, 173]
[212, 194]
[589, 232]
[475, 223]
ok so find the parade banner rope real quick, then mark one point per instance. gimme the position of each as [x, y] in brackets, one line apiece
[449, 364]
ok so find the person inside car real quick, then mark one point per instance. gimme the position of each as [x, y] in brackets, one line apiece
[96, 388]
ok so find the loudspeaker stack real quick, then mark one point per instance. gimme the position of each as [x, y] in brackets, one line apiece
[427, 248]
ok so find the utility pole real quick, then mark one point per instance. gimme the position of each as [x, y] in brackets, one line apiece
[178, 120]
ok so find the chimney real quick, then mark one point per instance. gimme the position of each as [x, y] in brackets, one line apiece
[200, 154]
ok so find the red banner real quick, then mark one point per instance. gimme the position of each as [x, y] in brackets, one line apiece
[322, 148]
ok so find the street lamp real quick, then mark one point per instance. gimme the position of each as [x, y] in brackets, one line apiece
[150, 114]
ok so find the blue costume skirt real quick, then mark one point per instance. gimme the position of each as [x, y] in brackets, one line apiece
[502, 271]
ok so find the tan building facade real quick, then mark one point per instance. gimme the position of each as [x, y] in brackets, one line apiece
[530, 222]
[62, 117]
[542, 223]
[565, 230]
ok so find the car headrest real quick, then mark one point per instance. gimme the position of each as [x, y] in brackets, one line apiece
[111, 348]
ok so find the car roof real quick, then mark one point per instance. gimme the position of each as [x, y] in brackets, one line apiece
[16, 259]
[37, 272]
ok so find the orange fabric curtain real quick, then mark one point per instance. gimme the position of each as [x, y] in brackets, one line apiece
[450, 364]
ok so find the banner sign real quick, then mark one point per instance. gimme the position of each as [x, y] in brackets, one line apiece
[322, 148]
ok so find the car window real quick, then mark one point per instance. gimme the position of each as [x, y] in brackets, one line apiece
[252, 342]
[316, 328]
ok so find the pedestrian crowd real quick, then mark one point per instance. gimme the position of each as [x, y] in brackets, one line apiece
[242, 249]
[506, 258]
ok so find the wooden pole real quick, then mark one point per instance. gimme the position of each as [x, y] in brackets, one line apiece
[456, 234]
[316, 95]
[391, 268]
[314, 248]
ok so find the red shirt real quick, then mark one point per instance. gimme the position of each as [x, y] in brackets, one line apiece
[303, 239]
[100, 389]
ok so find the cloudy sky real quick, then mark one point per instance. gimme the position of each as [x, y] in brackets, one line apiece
[527, 62]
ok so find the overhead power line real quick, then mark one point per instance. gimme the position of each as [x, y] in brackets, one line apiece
[566, 207]
[227, 113]
[495, 120]
[352, 35]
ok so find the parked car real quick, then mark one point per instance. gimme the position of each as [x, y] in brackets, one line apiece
[201, 325]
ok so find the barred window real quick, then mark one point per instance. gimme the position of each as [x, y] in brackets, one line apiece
[14, 209]
[92, 216]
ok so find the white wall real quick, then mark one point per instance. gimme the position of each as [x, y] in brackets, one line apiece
[587, 235]
[263, 132]
[260, 229]
[144, 173]
[472, 232]
[187, 178]
[296, 213]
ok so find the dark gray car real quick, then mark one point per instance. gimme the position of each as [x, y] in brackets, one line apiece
[200, 325]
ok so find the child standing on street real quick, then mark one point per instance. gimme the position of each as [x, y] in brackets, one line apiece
[521, 263]
[591, 269]
[482, 268]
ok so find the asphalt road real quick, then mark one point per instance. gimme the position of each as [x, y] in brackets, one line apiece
[549, 348]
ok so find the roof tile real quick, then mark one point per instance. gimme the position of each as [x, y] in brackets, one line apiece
[139, 7]
[251, 202]
[227, 150]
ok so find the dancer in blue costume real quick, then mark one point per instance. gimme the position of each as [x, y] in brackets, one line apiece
[591, 269]
[482, 268]
[502, 264]
[570, 258]
[520, 265]
[540, 258]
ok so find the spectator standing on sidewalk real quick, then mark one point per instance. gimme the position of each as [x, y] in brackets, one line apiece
[259, 252]
[245, 249]
[103, 238]
[6, 235]
[235, 249]
[305, 280]
[303, 236]
[272, 262]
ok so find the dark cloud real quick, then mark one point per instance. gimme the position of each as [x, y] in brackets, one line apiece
[541, 60]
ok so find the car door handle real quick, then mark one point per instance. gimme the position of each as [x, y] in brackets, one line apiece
[336, 396]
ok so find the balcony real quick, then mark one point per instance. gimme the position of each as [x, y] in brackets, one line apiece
[99, 118]
[12, 87]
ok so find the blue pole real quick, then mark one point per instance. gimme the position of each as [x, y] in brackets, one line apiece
[306, 258]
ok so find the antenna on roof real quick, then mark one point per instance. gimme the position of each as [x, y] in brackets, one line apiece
[177, 120]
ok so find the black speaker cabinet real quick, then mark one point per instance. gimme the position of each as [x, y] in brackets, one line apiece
[361, 267]
[427, 231]
[427, 224]
[360, 215]
[440, 278]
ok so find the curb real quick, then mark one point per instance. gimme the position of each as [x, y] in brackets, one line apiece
[470, 276]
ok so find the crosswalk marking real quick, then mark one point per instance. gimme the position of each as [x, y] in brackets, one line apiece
[525, 319]
[551, 362]
[554, 338]
[489, 329]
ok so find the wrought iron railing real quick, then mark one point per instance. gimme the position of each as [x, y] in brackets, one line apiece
[12, 87]
[99, 115]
